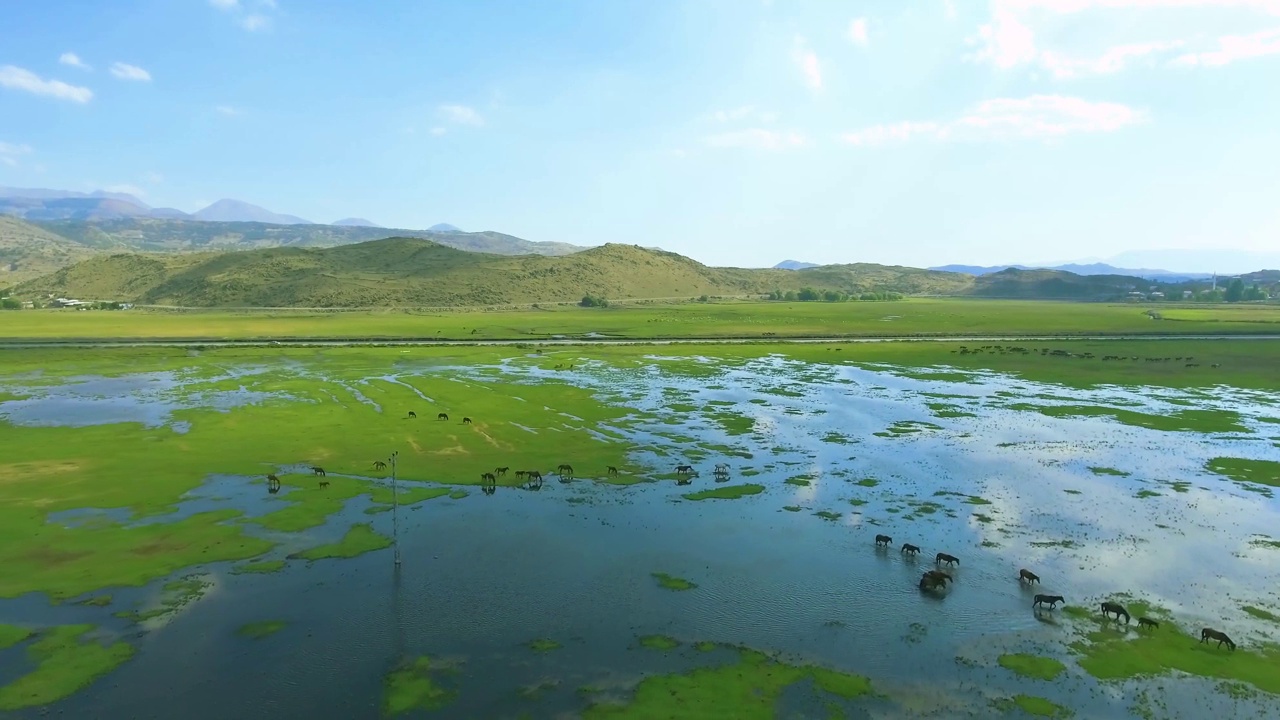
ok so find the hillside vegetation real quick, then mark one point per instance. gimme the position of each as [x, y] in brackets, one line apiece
[28, 251]
[416, 272]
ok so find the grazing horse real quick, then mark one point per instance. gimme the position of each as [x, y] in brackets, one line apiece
[273, 484]
[324, 484]
[466, 421]
[884, 540]
[939, 575]
[1050, 600]
[1027, 575]
[565, 469]
[521, 473]
[909, 548]
[318, 471]
[535, 480]
[1211, 634]
[684, 469]
[413, 414]
[442, 416]
[929, 582]
[612, 471]
[379, 465]
[1110, 608]
[488, 478]
[1147, 622]
[500, 471]
[949, 559]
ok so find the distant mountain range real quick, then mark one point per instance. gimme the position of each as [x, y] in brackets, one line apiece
[1078, 269]
[793, 265]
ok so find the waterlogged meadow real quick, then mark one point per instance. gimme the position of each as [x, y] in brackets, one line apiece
[148, 568]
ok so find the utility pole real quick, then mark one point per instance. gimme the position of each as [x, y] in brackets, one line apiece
[395, 510]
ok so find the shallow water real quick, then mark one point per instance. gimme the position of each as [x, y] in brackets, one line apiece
[485, 574]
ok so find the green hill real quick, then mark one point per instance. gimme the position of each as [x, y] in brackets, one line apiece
[1054, 284]
[416, 272]
[162, 235]
[28, 251]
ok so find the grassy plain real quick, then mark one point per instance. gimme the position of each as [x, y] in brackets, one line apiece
[915, 317]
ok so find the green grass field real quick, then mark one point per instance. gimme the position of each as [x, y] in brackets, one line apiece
[917, 317]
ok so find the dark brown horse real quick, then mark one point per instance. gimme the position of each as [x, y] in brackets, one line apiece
[948, 559]
[413, 414]
[1110, 608]
[318, 471]
[324, 484]
[442, 416]
[612, 471]
[500, 471]
[379, 465]
[1025, 574]
[911, 549]
[565, 470]
[928, 582]
[684, 469]
[939, 575]
[521, 473]
[273, 484]
[1147, 622]
[1050, 600]
[488, 489]
[1211, 634]
[466, 421]
[535, 480]
[488, 478]
[884, 540]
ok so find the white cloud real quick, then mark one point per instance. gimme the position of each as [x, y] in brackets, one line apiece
[1235, 47]
[742, 113]
[1009, 38]
[1037, 116]
[225, 4]
[437, 131]
[757, 138]
[125, 71]
[16, 78]
[461, 115]
[255, 22]
[9, 153]
[72, 59]
[858, 31]
[949, 7]
[229, 111]
[252, 15]
[807, 61]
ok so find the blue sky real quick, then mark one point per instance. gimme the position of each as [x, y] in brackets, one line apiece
[739, 132]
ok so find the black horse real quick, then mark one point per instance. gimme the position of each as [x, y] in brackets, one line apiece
[379, 465]
[273, 484]
[466, 421]
[442, 416]
[1147, 622]
[612, 471]
[500, 471]
[318, 471]
[1211, 634]
[884, 540]
[1110, 608]
[948, 559]
[1027, 575]
[910, 549]
[1050, 600]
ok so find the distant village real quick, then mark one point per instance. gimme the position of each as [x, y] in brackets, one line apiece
[50, 301]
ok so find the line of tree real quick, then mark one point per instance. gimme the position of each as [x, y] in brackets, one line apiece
[593, 301]
[808, 294]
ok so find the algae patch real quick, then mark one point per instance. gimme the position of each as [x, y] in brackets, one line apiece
[414, 687]
[731, 492]
[64, 664]
[671, 582]
[259, 630]
[1032, 666]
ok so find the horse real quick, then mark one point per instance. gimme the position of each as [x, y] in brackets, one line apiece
[949, 559]
[1211, 634]
[939, 575]
[379, 465]
[521, 473]
[466, 421]
[928, 582]
[500, 471]
[489, 489]
[564, 469]
[722, 469]
[684, 469]
[413, 414]
[442, 416]
[273, 484]
[488, 478]
[884, 540]
[532, 475]
[1110, 608]
[909, 548]
[684, 481]
[324, 484]
[1027, 575]
[318, 471]
[1050, 600]
[1147, 622]
[612, 471]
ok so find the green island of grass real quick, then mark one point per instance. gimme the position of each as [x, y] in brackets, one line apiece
[414, 687]
[659, 642]
[11, 635]
[259, 630]
[359, 540]
[1262, 472]
[543, 645]
[746, 690]
[1032, 666]
[728, 492]
[64, 664]
[1032, 705]
[671, 582]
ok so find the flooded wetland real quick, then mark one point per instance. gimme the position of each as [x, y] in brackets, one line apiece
[708, 550]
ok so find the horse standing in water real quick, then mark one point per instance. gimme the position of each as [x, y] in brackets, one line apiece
[910, 549]
[1050, 600]
[1027, 575]
[273, 484]
[948, 559]
[884, 540]
[1110, 608]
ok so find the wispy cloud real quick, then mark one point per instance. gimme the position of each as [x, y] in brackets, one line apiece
[9, 153]
[949, 8]
[438, 130]
[255, 22]
[1037, 116]
[1009, 38]
[125, 71]
[807, 61]
[16, 78]
[229, 111]
[225, 4]
[1235, 47]
[252, 15]
[461, 115]
[72, 59]
[858, 31]
[757, 138]
[743, 113]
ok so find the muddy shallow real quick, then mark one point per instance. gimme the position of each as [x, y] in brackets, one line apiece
[483, 575]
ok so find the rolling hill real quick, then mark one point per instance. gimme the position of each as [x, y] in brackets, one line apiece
[28, 251]
[419, 272]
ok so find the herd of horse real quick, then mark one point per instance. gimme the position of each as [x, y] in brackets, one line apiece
[935, 580]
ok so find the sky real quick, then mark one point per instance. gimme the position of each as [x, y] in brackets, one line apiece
[738, 132]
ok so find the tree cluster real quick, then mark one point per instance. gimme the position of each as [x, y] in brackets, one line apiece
[808, 294]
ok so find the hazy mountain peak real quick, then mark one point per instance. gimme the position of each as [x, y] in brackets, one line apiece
[227, 210]
[794, 265]
[444, 227]
[356, 222]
